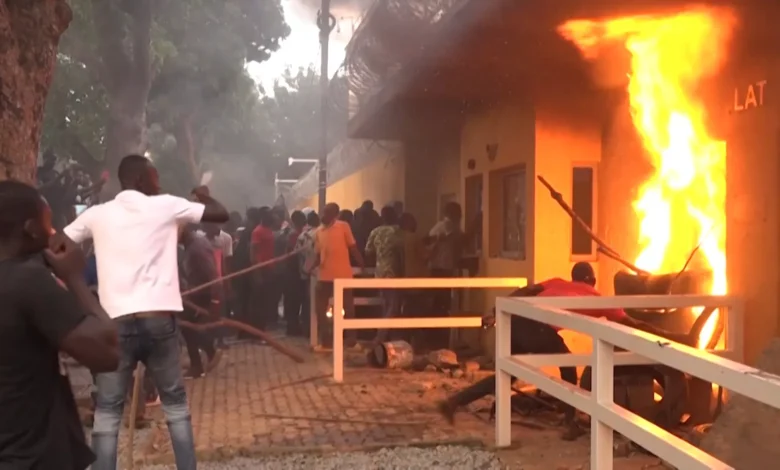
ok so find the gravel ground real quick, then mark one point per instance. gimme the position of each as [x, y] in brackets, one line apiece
[406, 458]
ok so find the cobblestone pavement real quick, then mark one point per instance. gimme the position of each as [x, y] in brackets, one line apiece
[260, 403]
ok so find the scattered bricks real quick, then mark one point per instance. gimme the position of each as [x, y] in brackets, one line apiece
[443, 359]
[470, 366]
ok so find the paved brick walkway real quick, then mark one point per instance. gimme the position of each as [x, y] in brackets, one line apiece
[259, 401]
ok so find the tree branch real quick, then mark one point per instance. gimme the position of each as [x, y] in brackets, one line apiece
[108, 26]
[142, 41]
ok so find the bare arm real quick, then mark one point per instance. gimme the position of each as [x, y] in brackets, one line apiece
[214, 211]
[94, 342]
[353, 250]
[73, 321]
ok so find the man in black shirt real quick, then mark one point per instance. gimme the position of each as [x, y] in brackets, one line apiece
[39, 423]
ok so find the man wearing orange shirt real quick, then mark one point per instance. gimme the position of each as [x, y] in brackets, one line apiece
[334, 243]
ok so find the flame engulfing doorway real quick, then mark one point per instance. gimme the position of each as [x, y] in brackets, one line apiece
[682, 204]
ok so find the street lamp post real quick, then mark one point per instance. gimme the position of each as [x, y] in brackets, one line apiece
[292, 160]
[326, 22]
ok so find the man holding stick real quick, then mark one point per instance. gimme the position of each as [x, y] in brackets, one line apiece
[135, 238]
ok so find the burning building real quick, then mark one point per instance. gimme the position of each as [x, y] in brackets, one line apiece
[655, 120]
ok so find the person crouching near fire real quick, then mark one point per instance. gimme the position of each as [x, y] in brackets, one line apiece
[531, 337]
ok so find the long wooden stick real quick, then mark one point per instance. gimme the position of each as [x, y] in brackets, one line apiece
[297, 357]
[604, 248]
[240, 273]
[139, 374]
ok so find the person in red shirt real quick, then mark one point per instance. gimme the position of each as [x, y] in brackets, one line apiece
[531, 337]
[262, 250]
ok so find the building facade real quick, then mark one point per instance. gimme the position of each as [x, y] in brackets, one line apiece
[495, 97]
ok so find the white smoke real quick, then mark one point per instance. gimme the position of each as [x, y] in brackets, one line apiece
[301, 48]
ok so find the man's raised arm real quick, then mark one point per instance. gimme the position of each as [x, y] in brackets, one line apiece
[213, 210]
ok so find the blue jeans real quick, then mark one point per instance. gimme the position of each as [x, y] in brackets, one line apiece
[153, 341]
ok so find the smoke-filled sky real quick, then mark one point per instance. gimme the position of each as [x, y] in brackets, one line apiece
[302, 46]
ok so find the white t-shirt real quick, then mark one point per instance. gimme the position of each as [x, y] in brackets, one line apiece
[135, 238]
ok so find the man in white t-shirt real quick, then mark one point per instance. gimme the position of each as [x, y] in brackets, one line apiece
[135, 239]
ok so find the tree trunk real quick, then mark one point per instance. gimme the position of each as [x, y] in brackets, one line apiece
[185, 147]
[126, 73]
[29, 34]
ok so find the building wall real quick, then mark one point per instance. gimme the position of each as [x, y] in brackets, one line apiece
[382, 181]
[510, 126]
[432, 171]
[752, 222]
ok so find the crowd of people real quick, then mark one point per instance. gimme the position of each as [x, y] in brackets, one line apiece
[149, 252]
[158, 259]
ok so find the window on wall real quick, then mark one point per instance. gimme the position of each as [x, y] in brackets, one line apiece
[513, 212]
[473, 215]
[584, 205]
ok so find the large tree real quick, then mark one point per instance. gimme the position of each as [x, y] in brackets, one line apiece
[29, 34]
[163, 62]
[294, 111]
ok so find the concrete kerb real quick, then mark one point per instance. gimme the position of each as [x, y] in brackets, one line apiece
[228, 453]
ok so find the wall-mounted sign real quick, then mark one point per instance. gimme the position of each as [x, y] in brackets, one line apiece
[750, 97]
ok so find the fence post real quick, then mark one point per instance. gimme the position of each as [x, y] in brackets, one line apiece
[503, 379]
[338, 330]
[314, 338]
[735, 335]
[603, 393]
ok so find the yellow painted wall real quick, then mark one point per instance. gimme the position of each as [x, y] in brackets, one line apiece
[511, 126]
[563, 140]
[561, 143]
[431, 170]
[382, 182]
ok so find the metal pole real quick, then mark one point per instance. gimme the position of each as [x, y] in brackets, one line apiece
[326, 24]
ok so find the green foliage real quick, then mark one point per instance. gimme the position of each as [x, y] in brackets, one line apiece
[295, 111]
[199, 50]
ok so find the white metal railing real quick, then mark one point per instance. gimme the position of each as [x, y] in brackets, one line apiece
[314, 338]
[340, 323]
[719, 367]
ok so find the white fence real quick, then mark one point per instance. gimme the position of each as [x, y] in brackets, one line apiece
[719, 367]
[340, 323]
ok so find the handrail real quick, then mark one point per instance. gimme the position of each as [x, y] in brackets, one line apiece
[607, 416]
[340, 323]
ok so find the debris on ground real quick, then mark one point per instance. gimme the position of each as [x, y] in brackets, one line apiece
[443, 359]
[428, 458]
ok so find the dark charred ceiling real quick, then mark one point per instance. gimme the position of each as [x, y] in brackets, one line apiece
[471, 53]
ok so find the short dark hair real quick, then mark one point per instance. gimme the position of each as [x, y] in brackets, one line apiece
[253, 215]
[266, 216]
[131, 169]
[19, 202]
[298, 219]
[583, 272]
[389, 215]
[313, 219]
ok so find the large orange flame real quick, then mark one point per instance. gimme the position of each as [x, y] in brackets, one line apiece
[682, 204]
